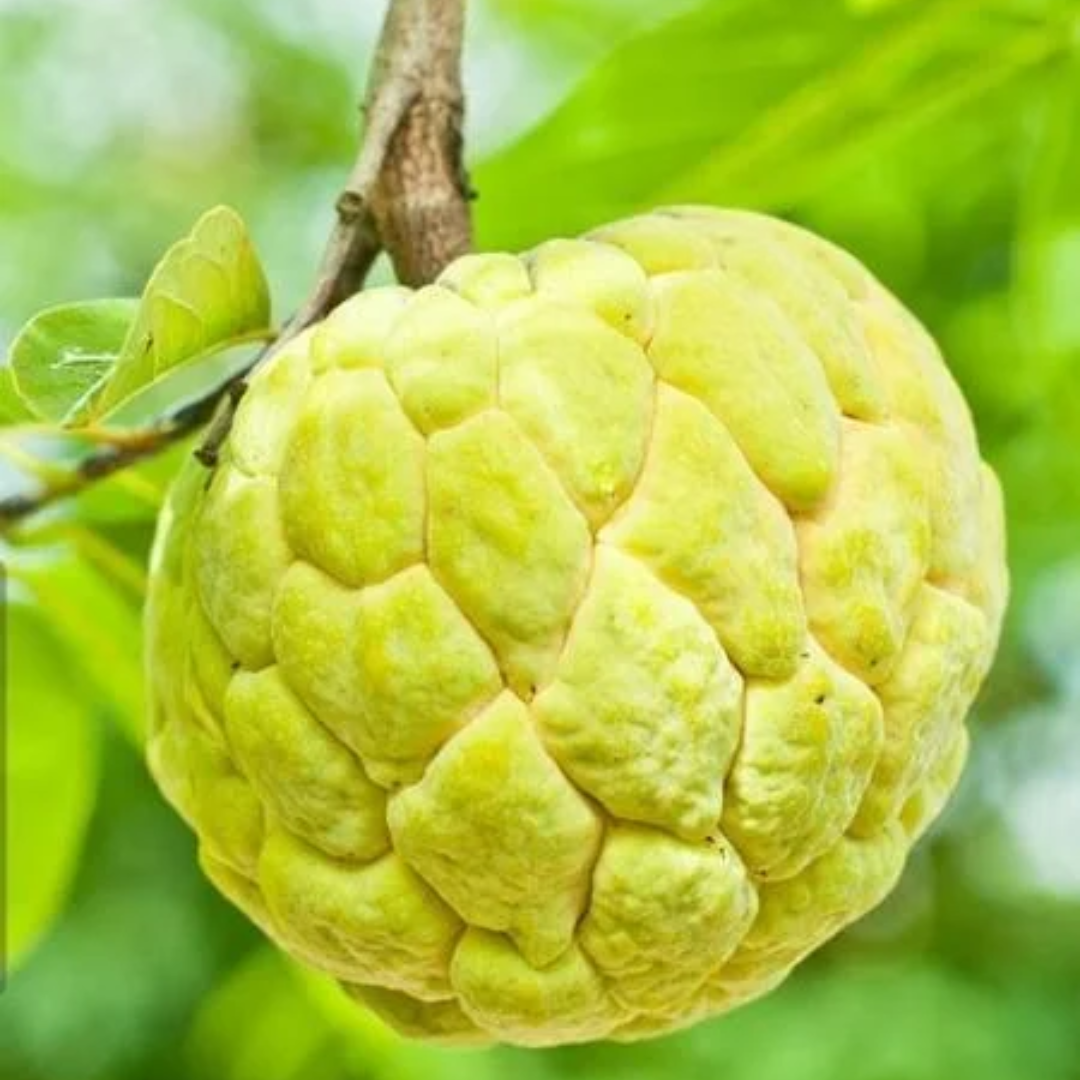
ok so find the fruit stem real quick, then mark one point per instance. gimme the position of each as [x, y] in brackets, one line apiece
[419, 188]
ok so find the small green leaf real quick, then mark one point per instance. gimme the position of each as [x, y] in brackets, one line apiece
[51, 777]
[64, 352]
[180, 388]
[13, 409]
[209, 290]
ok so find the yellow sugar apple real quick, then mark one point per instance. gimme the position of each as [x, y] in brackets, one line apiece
[565, 650]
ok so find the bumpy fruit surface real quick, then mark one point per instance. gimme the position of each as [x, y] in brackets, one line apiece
[565, 650]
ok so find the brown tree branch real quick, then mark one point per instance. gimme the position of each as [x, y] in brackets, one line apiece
[420, 197]
[105, 460]
[407, 193]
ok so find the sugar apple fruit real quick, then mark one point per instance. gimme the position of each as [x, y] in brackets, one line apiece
[566, 649]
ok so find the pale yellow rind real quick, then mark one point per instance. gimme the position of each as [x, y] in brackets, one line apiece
[583, 395]
[723, 343]
[808, 749]
[501, 833]
[352, 482]
[643, 712]
[441, 359]
[563, 1001]
[268, 410]
[565, 650]
[235, 578]
[701, 521]
[355, 334]
[506, 541]
[373, 923]
[440, 1022]
[665, 914]
[309, 781]
[924, 700]
[864, 553]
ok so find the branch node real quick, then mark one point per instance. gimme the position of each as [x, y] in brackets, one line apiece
[350, 206]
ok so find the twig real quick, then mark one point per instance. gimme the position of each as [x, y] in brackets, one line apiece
[106, 460]
[407, 193]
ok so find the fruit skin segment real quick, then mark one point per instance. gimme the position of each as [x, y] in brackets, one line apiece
[566, 649]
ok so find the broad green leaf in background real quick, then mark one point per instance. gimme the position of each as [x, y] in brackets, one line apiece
[283, 1039]
[1039, 471]
[51, 776]
[306, 1026]
[926, 60]
[1049, 240]
[878, 1021]
[207, 292]
[63, 353]
[143, 939]
[91, 593]
[874, 5]
[130, 499]
[572, 35]
[766, 97]
[639, 119]
[376, 1052]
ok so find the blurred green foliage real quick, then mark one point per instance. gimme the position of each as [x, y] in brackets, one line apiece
[937, 139]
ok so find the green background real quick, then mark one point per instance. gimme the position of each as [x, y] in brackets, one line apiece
[938, 140]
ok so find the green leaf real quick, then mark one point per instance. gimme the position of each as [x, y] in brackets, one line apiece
[131, 498]
[914, 67]
[376, 1051]
[63, 353]
[1042, 486]
[182, 387]
[765, 100]
[864, 6]
[51, 776]
[90, 592]
[209, 291]
[639, 120]
[13, 409]
[283, 1039]
[1049, 242]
